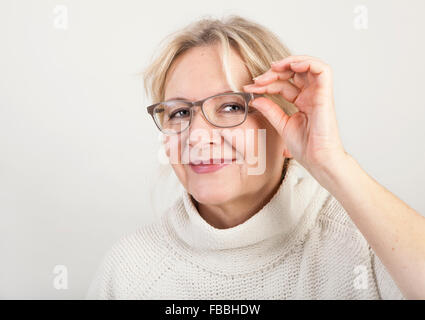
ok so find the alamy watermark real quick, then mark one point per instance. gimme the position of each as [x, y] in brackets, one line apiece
[249, 145]
[60, 281]
[361, 18]
[60, 17]
[361, 281]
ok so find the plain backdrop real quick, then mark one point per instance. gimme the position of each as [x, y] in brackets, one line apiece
[79, 153]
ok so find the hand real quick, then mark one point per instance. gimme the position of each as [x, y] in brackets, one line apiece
[311, 134]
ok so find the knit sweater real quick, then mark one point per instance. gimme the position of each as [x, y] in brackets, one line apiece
[300, 245]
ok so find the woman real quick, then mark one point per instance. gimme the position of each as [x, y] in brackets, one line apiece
[288, 213]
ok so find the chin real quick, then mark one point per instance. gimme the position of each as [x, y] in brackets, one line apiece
[212, 192]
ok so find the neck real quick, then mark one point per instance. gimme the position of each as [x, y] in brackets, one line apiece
[232, 213]
[279, 225]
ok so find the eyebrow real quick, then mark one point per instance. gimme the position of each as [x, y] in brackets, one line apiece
[181, 98]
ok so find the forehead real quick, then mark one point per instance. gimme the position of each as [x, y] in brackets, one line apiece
[198, 73]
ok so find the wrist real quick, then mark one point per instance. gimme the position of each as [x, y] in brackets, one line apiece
[332, 171]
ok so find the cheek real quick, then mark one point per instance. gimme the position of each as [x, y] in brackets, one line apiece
[179, 171]
[269, 141]
[255, 140]
[172, 147]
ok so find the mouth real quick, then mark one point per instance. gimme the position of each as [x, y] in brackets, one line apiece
[212, 162]
[210, 165]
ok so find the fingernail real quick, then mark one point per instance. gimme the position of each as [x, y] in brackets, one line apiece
[255, 78]
[273, 62]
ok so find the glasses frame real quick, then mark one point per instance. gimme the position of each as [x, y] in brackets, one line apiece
[248, 97]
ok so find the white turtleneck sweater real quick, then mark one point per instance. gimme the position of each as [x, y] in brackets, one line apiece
[300, 245]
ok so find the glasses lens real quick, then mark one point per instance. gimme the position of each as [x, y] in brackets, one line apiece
[225, 110]
[172, 116]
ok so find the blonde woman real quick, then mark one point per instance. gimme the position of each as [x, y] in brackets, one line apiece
[287, 214]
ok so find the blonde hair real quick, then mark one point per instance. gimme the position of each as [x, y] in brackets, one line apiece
[256, 45]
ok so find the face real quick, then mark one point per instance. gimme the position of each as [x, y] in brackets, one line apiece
[196, 75]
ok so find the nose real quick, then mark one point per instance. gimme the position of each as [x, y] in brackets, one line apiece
[200, 130]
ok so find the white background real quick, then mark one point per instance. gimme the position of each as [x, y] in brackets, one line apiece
[78, 151]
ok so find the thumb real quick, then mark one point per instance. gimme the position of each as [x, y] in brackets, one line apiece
[272, 112]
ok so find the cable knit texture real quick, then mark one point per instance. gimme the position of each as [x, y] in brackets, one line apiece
[301, 245]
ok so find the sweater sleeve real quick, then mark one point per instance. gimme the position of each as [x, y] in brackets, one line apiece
[102, 285]
[387, 288]
[126, 270]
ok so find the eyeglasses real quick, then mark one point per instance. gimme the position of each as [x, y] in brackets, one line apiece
[223, 110]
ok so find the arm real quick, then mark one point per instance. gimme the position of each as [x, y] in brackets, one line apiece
[394, 230]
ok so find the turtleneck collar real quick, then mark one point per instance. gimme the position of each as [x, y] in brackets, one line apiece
[295, 203]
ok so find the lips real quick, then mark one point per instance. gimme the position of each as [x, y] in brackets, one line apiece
[210, 165]
[212, 162]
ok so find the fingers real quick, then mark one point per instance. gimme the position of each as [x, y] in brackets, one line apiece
[314, 66]
[272, 75]
[285, 63]
[296, 69]
[289, 76]
[289, 67]
[300, 79]
[289, 91]
[272, 112]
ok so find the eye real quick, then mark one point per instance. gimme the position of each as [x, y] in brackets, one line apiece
[181, 113]
[229, 108]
